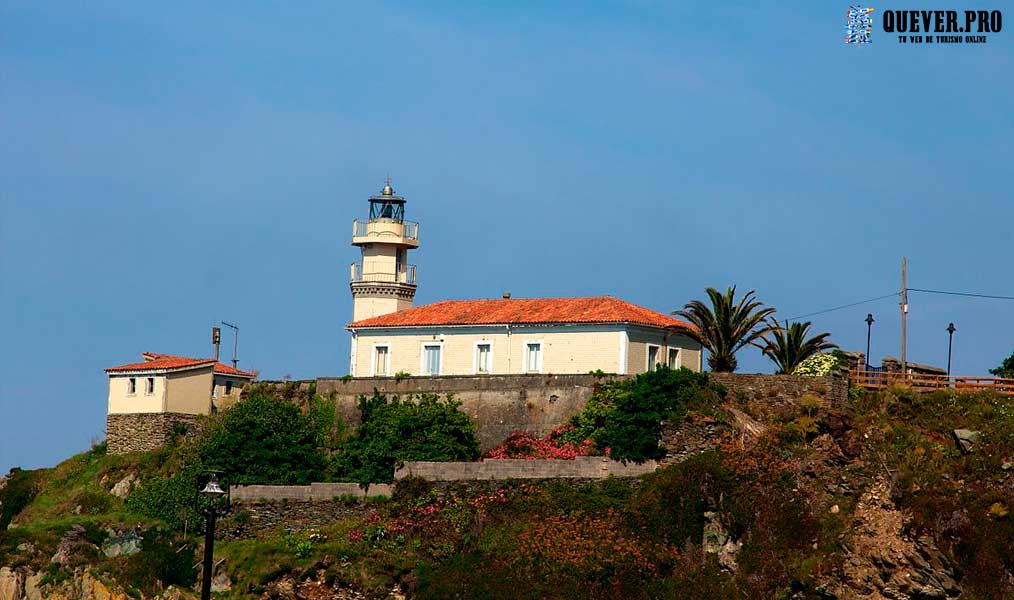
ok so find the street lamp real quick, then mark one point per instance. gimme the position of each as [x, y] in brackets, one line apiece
[213, 491]
[869, 327]
[950, 342]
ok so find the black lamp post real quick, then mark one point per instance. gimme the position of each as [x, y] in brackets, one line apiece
[869, 327]
[950, 342]
[213, 491]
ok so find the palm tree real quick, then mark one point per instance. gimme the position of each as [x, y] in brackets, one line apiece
[787, 345]
[727, 325]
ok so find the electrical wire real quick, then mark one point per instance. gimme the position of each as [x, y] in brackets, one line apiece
[962, 294]
[827, 310]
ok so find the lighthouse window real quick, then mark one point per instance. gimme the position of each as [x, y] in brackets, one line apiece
[482, 352]
[381, 364]
[431, 360]
[533, 360]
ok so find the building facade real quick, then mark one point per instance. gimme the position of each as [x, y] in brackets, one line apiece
[164, 383]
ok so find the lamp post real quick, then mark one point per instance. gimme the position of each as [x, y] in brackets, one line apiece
[869, 327]
[213, 491]
[950, 342]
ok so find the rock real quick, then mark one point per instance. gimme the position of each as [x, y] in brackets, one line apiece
[11, 584]
[966, 439]
[716, 540]
[1007, 464]
[221, 583]
[26, 547]
[125, 486]
[71, 545]
[121, 544]
[835, 510]
[32, 591]
[998, 510]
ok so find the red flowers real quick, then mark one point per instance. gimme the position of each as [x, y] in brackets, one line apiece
[522, 445]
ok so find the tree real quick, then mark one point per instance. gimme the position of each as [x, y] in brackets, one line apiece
[787, 345]
[393, 431]
[726, 326]
[1006, 368]
[262, 439]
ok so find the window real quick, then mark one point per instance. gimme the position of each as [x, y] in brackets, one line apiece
[431, 360]
[132, 386]
[381, 360]
[482, 358]
[149, 386]
[652, 357]
[228, 388]
[674, 358]
[533, 360]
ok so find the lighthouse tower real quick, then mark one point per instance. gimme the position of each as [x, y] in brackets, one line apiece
[382, 281]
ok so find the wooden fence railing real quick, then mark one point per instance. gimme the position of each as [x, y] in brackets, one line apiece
[878, 380]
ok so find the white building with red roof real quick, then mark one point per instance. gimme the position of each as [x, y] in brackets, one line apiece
[505, 336]
[165, 383]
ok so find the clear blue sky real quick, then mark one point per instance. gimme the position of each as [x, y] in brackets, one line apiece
[166, 166]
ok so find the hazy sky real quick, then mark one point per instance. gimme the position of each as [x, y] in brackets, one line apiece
[164, 166]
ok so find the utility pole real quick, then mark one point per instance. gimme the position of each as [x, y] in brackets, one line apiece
[904, 315]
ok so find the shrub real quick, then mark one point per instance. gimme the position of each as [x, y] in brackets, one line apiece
[265, 440]
[162, 561]
[820, 365]
[624, 418]
[393, 431]
[173, 499]
[21, 489]
[523, 445]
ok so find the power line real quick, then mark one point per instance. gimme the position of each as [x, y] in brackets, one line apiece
[827, 310]
[963, 294]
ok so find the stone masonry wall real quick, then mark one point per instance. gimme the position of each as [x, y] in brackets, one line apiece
[142, 432]
[777, 389]
[315, 492]
[498, 404]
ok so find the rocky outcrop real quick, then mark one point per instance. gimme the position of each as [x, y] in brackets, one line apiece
[23, 584]
[882, 564]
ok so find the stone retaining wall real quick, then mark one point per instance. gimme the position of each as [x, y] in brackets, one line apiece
[315, 492]
[582, 467]
[499, 405]
[781, 388]
[142, 432]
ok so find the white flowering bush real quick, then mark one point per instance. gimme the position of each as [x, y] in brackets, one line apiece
[819, 365]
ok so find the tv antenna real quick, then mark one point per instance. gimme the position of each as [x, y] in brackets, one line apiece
[235, 342]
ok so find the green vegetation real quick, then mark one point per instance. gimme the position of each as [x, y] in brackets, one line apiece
[821, 365]
[787, 345]
[393, 431]
[727, 326]
[623, 418]
[1006, 368]
[780, 507]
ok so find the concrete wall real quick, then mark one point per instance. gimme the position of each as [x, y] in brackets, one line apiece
[222, 400]
[142, 432]
[498, 404]
[121, 401]
[315, 492]
[189, 391]
[640, 338]
[582, 467]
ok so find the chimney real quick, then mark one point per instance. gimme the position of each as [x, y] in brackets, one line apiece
[216, 339]
[506, 295]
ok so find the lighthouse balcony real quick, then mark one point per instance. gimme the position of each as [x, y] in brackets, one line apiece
[385, 231]
[405, 275]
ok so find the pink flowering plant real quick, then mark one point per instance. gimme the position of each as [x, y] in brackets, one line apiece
[552, 447]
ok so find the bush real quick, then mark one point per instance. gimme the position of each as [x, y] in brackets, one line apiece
[267, 441]
[552, 447]
[394, 431]
[21, 489]
[624, 418]
[821, 365]
[162, 561]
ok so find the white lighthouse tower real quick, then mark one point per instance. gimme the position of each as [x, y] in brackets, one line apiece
[382, 281]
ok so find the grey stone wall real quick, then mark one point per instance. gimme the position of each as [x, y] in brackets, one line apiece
[778, 389]
[141, 432]
[581, 467]
[250, 519]
[498, 404]
[315, 492]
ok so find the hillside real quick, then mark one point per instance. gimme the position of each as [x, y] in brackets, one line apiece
[755, 500]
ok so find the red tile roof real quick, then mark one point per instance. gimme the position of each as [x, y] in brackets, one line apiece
[167, 362]
[524, 311]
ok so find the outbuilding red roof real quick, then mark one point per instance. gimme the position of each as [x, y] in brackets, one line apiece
[167, 362]
[524, 311]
